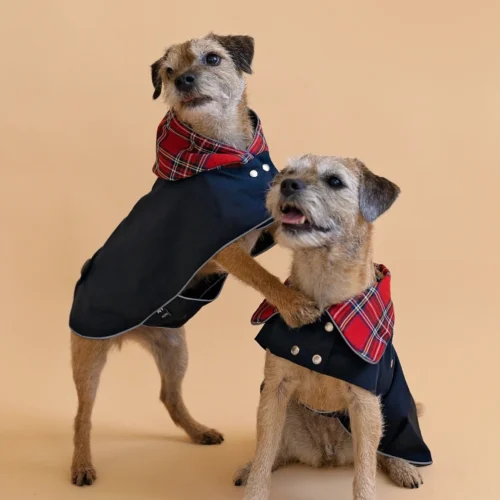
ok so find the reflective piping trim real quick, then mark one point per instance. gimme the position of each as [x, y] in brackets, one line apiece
[266, 320]
[386, 454]
[268, 222]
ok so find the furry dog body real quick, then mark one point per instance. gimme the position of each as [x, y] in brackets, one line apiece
[325, 207]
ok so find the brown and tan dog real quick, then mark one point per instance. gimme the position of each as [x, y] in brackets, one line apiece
[203, 81]
[334, 202]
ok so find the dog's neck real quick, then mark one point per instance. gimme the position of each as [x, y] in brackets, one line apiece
[233, 126]
[334, 274]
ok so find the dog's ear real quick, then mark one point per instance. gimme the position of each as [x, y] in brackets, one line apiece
[376, 194]
[240, 48]
[156, 78]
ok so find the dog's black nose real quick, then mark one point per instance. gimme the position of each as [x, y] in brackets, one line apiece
[185, 81]
[291, 186]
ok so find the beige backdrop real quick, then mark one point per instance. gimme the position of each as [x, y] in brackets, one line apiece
[412, 88]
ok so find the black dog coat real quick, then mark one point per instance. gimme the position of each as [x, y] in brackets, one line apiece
[208, 196]
[352, 341]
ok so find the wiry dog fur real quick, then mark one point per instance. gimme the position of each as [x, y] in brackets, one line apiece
[332, 262]
[215, 106]
[221, 86]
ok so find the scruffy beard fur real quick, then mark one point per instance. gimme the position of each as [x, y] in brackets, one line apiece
[329, 211]
[324, 208]
[217, 106]
[335, 230]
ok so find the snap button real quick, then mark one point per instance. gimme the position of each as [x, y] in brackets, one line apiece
[266, 167]
[317, 359]
[295, 350]
[253, 173]
[329, 327]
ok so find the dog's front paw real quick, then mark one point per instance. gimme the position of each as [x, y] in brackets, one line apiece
[299, 310]
[241, 476]
[83, 474]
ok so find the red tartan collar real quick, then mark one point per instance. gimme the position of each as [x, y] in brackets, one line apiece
[182, 153]
[366, 322]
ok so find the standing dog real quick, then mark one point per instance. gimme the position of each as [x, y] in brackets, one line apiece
[340, 375]
[170, 256]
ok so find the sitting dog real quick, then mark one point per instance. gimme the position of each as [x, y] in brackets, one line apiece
[340, 375]
[205, 217]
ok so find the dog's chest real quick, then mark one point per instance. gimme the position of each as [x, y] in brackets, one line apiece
[317, 391]
[322, 393]
[313, 279]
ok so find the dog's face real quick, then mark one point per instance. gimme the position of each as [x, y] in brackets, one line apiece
[204, 77]
[321, 200]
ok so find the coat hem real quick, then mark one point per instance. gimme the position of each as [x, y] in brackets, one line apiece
[266, 223]
[413, 462]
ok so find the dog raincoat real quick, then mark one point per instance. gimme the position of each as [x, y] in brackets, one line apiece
[352, 342]
[207, 196]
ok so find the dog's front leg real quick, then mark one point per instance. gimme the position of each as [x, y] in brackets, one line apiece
[295, 308]
[271, 418]
[366, 426]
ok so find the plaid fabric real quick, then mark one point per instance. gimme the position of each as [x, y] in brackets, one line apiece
[182, 153]
[366, 322]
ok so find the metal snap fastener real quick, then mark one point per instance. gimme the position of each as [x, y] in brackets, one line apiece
[266, 167]
[295, 350]
[317, 359]
[329, 327]
[254, 173]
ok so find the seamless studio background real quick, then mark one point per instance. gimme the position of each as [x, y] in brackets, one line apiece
[410, 88]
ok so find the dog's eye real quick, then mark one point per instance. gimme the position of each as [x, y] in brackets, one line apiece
[170, 71]
[212, 59]
[335, 182]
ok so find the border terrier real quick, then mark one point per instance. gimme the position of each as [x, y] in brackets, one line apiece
[343, 366]
[209, 131]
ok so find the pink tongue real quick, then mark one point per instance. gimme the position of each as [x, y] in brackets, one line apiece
[292, 217]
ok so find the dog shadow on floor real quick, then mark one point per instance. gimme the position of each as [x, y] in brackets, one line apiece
[35, 460]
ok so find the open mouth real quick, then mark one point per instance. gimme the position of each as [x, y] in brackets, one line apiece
[192, 101]
[294, 219]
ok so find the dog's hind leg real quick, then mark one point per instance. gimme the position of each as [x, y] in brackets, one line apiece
[169, 349]
[88, 360]
[401, 472]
